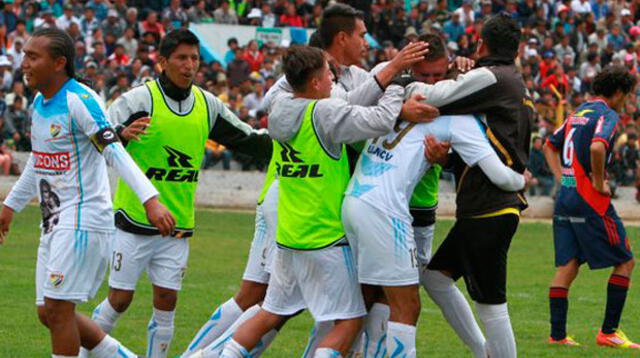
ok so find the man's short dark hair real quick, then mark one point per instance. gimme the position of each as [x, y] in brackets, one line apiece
[437, 47]
[315, 40]
[300, 64]
[501, 33]
[176, 38]
[232, 40]
[612, 79]
[338, 18]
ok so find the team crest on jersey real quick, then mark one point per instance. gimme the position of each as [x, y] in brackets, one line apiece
[55, 129]
[56, 279]
[85, 96]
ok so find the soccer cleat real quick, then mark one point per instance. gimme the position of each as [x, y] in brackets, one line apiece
[616, 339]
[567, 341]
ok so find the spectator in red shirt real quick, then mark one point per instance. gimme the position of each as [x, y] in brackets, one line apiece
[120, 56]
[151, 24]
[291, 18]
[548, 65]
[253, 56]
[559, 80]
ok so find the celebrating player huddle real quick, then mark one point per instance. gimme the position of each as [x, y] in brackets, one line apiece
[345, 221]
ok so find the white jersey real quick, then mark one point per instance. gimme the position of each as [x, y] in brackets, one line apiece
[66, 170]
[390, 166]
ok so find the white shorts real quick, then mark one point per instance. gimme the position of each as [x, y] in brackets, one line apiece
[383, 245]
[164, 258]
[71, 264]
[264, 238]
[324, 281]
[424, 241]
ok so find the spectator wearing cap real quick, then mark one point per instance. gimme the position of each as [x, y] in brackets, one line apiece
[113, 24]
[46, 20]
[100, 7]
[548, 65]
[291, 18]
[175, 13]
[626, 20]
[453, 28]
[530, 49]
[197, 13]
[410, 35]
[255, 17]
[89, 23]
[67, 18]
[151, 24]
[225, 14]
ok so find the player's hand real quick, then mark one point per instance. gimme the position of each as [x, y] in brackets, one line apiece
[413, 110]
[603, 189]
[6, 215]
[409, 55]
[529, 180]
[436, 152]
[135, 129]
[462, 64]
[160, 217]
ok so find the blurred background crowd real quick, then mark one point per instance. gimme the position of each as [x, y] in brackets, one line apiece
[564, 45]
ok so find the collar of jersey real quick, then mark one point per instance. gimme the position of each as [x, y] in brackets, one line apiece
[61, 90]
[170, 89]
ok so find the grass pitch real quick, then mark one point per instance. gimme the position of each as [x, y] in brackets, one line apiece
[218, 255]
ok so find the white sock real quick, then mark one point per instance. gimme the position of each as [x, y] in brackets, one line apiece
[375, 330]
[109, 347]
[455, 309]
[401, 340]
[59, 356]
[105, 316]
[264, 343]
[423, 235]
[319, 330]
[233, 349]
[500, 340]
[223, 317]
[159, 333]
[327, 353]
[214, 349]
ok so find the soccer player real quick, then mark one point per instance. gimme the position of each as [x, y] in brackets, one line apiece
[313, 266]
[586, 227]
[343, 38]
[72, 138]
[166, 123]
[423, 204]
[495, 90]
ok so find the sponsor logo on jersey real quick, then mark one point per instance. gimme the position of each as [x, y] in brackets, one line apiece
[53, 161]
[181, 168]
[379, 152]
[55, 129]
[295, 167]
[56, 279]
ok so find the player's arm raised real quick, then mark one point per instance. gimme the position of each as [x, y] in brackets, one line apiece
[21, 194]
[91, 117]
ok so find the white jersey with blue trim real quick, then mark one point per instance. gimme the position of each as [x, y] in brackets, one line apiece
[390, 166]
[70, 173]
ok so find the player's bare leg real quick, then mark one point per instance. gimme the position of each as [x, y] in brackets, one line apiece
[559, 302]
[250, 332]
[339, 339]
[60, 318]
[250, 294]
[404, 302]
[376, 321]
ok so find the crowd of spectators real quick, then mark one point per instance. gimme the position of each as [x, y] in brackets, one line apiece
[564, 45]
